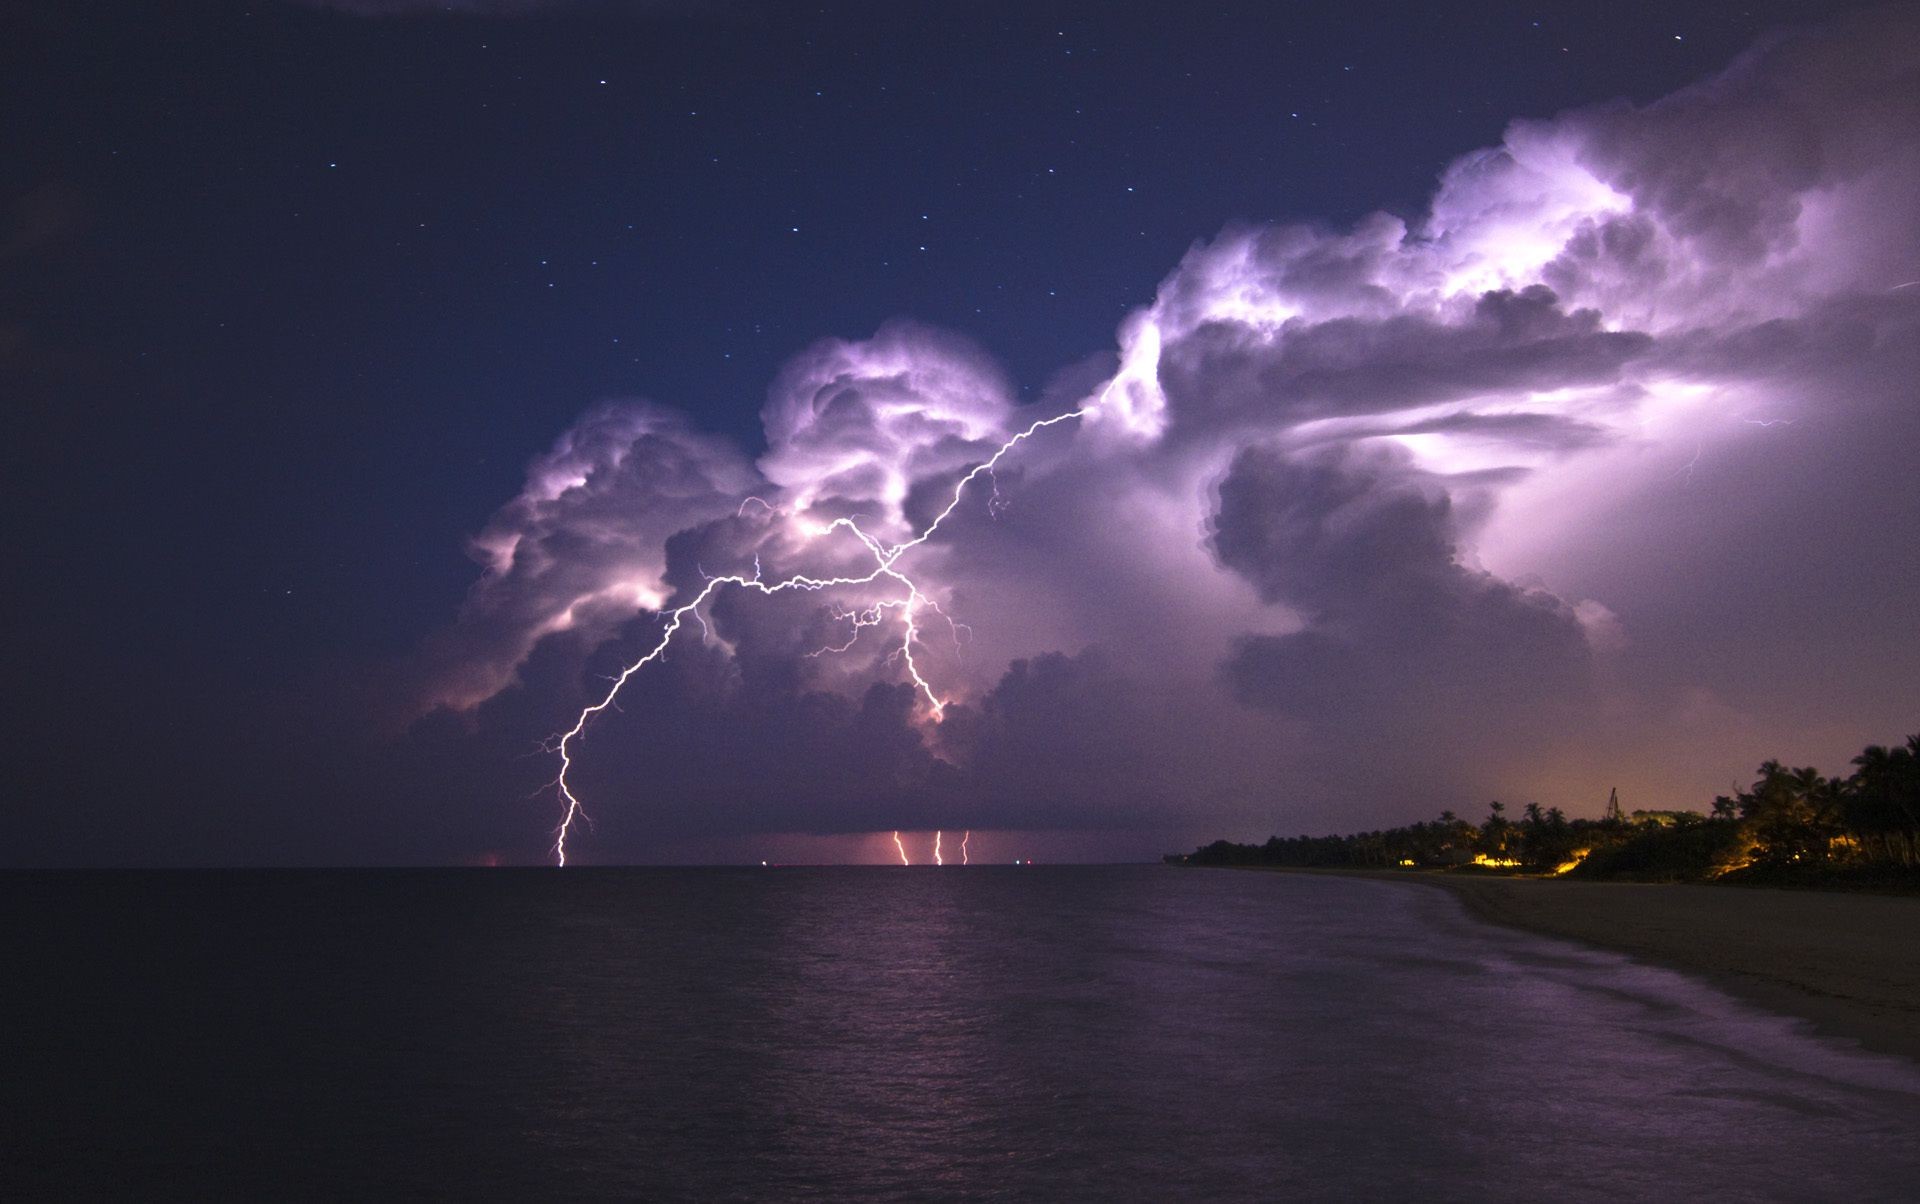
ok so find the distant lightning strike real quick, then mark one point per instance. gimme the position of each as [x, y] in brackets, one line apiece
[963, 847]
[884, 559]
[1689, 466]
[937, 859]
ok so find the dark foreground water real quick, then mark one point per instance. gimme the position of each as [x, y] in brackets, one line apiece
[1048, 1034]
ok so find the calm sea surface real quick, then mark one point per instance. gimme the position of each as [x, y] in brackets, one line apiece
[1129, 1033]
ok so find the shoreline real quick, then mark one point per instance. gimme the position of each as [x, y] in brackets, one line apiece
[1846, 963]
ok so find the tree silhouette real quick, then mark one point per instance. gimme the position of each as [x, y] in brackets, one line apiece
[1790, 825]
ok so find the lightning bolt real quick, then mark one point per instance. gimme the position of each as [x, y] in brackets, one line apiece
[873, 616]
[963, 847]
[885, 557]
[937, 860]
[1688, 467]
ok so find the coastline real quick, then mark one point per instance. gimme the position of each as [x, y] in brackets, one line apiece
[1849, 964]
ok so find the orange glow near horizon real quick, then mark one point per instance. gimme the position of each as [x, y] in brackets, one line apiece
[1567, 867]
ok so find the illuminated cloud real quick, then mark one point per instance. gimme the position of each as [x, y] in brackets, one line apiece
[585, 542]
[859, 424]
[1369, 547]
[1372, 518]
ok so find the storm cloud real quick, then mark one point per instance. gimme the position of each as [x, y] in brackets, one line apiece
[1357, 522]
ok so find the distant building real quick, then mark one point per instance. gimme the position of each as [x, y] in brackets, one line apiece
[1665, 819]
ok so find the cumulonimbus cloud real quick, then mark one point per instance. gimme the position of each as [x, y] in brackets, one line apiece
[1311, 502]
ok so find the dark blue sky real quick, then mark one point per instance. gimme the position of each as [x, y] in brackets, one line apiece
[325, 282]
[291, 295]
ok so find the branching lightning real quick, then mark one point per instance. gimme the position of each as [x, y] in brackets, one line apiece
[1690, 465]
[885, 559]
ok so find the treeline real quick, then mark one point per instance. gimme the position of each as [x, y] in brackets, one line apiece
[1790, 825]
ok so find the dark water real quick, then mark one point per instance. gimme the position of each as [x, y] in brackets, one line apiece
[1128, 1033]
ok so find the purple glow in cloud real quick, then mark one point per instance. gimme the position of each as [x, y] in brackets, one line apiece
[1360, 521]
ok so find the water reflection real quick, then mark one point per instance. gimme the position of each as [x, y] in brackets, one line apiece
[1046, 1033]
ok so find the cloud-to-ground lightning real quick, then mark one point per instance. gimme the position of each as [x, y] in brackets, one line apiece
[963, 847]
[896, 844]
[937, 859]
[885, 559]
[1267, 427]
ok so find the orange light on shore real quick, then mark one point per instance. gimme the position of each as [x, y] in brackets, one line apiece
[1567, 867]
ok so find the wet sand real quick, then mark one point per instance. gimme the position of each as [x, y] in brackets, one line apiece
[1848, 963]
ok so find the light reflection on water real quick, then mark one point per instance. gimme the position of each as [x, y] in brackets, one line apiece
[1041, 1033]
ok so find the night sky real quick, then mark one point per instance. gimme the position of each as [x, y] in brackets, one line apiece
[346, 347]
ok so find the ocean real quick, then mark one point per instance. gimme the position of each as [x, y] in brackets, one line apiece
[1019, 1033]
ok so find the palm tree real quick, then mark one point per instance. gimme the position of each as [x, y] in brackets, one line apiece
[1883, 799]
[1788, 814]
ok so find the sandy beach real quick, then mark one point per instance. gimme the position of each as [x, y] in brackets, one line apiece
[1848, 963]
